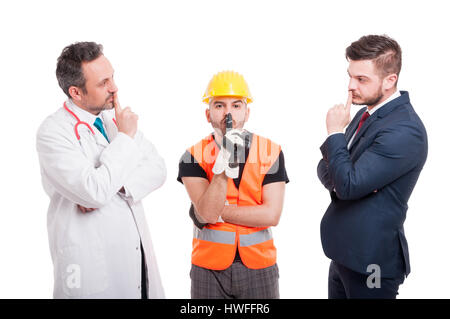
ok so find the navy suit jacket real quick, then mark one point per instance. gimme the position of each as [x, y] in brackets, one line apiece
[370, 185]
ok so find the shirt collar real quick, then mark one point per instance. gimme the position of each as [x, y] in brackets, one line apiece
[389, 99]
[83, 115]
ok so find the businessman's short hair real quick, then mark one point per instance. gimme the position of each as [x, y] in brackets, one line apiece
[68, 68]
[383, 50]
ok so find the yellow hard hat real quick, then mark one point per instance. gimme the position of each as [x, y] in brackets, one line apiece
[227, 83]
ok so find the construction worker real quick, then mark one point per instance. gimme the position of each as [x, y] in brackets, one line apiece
[236, 181]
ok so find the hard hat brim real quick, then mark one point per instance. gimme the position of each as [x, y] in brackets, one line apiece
[207, 98]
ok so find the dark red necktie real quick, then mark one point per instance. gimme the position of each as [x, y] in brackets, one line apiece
[361, 122]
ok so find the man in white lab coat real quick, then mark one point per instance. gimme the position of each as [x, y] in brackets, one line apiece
[96, 168]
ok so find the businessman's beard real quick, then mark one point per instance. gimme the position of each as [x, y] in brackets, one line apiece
[369, 101]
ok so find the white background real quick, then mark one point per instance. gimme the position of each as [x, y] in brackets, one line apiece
[164, 52]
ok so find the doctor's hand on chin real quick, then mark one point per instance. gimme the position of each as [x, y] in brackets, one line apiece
[125, 118]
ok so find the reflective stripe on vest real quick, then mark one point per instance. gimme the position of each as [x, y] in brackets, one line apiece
[255, 238]
[215, 236]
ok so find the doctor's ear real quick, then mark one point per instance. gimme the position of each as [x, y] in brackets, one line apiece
[75, 93]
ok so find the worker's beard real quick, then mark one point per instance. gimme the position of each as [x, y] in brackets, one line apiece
[222, 126]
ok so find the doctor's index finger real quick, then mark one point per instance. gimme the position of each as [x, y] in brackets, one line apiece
[116, 103]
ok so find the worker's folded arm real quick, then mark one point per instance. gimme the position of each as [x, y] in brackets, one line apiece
[150, 173]
[196, 218]
[208, 198]
[75, 176]
[266, 214]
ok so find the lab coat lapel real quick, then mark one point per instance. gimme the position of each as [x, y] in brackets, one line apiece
[99, 138]
[110, 128]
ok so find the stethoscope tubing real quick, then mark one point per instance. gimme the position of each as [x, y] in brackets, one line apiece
[79, 122]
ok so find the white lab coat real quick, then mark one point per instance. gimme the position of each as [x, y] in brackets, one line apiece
[97, 254]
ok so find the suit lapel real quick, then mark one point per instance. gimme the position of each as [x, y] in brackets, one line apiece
[353, 125]
[364, 128]
[380, 113]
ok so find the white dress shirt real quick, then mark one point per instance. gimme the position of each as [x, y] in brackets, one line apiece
[374, 109]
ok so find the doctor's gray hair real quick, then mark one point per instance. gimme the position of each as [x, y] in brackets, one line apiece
[68, 68]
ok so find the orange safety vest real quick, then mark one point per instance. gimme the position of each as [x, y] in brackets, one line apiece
[214, 246]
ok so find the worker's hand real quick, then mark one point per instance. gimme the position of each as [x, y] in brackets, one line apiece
[222, 160]
[234, 137]
[232, 171]
[338, 116]
[228, 160]
[84, 209]
[125, 118]
[222, 164]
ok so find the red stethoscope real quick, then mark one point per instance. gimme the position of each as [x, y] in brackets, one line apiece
[79, 122]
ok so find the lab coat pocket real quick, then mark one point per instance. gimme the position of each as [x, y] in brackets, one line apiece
[83, 270]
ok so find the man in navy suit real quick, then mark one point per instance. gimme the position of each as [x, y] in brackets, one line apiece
[370, 170]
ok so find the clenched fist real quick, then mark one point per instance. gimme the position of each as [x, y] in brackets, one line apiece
[338, 116]
[125, 118]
